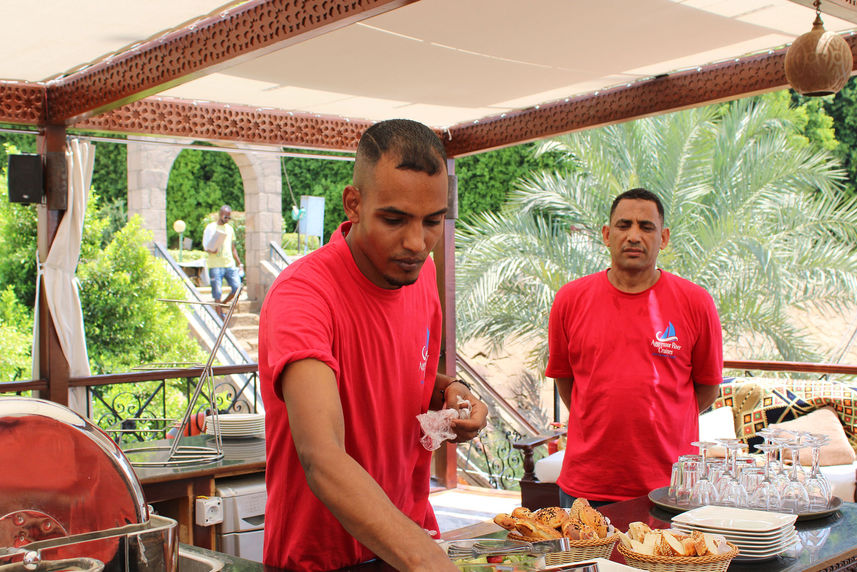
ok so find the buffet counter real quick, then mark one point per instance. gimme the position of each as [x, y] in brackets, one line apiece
[172, 490]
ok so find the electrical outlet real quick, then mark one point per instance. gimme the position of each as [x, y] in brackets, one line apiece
[209, 511]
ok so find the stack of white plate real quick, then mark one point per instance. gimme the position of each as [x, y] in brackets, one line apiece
[237, 425]
[757, 534]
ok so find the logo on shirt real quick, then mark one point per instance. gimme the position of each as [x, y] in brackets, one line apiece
[665, 342]
[424, 357]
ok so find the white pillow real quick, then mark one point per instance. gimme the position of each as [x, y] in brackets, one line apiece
[717, 424]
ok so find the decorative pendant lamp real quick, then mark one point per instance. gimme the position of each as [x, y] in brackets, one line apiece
[818, 62]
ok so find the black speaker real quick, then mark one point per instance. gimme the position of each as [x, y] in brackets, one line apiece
[26, 179]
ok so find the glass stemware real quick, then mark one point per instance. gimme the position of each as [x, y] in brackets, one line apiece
[794, 496]
[766, 496]
[730, 491]
[817, 487]
[704, 492]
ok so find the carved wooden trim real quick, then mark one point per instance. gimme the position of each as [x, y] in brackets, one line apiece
[709, 84]
[247, 31]
[213, 122]
[22, 103]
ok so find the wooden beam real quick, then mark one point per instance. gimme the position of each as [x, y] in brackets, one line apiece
[246, 31]
[53, 365]
[171, 117]
[723, 81]
[22, 103]
[446, 457]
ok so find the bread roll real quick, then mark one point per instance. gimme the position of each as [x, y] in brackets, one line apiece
[522, 512]
[553, 516]
[577, 506]
[533, 529]
[576, 530]
[506, 521]
[594, 519]
[638, 531]
[699, 545]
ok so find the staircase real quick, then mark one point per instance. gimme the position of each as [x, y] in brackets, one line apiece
[244, 324]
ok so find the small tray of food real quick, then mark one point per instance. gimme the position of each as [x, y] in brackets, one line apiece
[587, 532]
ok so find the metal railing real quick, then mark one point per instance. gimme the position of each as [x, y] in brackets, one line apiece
[141, 408]
[207, 322]
[489, 460]
[277, 256]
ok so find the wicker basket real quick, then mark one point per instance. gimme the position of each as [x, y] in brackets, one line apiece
[716, 563]
[580, 549]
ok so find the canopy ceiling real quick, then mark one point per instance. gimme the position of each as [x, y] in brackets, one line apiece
[485, 73]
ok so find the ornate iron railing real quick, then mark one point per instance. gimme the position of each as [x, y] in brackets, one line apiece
[489, 460]
[142, 407]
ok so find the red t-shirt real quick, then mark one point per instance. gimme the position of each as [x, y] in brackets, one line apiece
[634, 359]
[383, 346]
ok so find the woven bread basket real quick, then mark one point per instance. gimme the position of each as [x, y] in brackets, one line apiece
[580, 549]
[711, 563]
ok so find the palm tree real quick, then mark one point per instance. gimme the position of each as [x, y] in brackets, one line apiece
[755, 212]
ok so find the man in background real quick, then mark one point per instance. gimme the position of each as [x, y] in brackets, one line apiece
[636, 353]
[218, 240]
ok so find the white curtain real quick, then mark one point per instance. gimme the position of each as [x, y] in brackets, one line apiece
[58, 273]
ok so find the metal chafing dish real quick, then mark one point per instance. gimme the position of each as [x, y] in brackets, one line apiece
[69, 498]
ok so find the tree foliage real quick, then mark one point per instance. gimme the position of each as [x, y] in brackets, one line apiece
[843, 109]
[126, 322]
[200, 183]
[317, 178]
[486, 180]
[753, 209]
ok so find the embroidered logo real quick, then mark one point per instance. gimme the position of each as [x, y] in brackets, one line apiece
[424, 357]
[665, 342]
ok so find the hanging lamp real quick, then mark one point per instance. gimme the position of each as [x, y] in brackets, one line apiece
[818, 62]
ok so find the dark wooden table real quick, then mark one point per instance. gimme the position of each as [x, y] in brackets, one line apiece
[828, 544]
[172, 490]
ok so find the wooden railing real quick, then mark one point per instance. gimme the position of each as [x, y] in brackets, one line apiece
[795, 366]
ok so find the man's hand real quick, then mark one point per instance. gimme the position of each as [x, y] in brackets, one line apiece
[465, 429]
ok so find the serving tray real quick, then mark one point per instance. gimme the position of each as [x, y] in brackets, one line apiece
[660, 498]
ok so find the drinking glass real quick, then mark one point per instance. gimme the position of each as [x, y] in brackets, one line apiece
[817, 486]
[704, 492]
[730, 491]
[690, 471]
[678, 478]
[766, 496]
[794, 496]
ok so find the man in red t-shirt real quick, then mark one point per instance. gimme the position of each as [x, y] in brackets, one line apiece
[636, 353]
[349, 341]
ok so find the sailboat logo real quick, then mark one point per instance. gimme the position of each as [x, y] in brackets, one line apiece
[667, 335]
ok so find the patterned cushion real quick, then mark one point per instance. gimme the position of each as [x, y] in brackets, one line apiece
[760, 402]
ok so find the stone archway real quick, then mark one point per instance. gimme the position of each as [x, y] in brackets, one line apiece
[149, 165]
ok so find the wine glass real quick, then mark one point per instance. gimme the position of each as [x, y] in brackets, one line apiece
[704, 492]
[730, 491]
[817, 486]
[794, 496]
[766, 496]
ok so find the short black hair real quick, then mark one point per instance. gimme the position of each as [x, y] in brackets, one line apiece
[641, 194]
[416, 146]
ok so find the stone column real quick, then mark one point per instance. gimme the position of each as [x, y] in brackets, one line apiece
[149, 167]
[263, 189]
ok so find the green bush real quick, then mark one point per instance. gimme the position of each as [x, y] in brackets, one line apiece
[293, 243]
[126, 324]
[16, 336]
